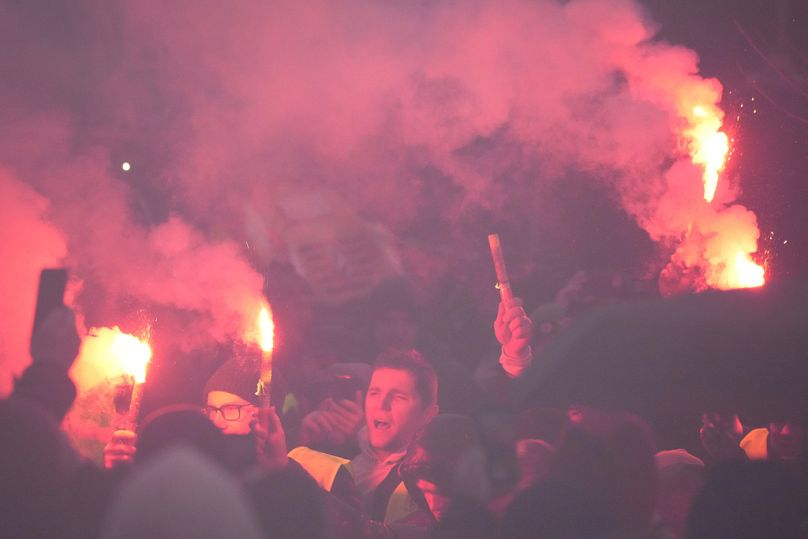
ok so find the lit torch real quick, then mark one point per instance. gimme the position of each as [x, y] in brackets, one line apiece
[133, 355]
[503, 282]
[266, 341]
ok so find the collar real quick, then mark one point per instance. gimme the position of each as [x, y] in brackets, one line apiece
[367, 451]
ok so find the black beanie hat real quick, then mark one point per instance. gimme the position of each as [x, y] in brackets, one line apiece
[236, 377]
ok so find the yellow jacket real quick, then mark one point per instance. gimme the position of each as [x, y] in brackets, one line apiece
[324, 469]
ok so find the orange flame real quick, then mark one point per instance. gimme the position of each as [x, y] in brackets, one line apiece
[708, 146]
[745, 273]
[132, 354]
[266, 329]
[108, 353]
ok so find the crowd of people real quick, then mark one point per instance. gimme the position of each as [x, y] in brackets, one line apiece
[405, 446]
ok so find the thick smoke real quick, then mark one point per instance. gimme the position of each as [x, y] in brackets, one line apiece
[28, 243]
[373, 99]
[438, 119]
[166, 267]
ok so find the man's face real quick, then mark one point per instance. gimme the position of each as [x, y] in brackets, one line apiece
[436, 499]
[394, 411]
[230, 413]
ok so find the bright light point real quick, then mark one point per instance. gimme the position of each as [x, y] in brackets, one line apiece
[126, 166]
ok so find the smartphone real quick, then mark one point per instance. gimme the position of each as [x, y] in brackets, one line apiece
[51, 294]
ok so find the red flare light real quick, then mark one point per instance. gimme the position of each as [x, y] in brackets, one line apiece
[108, 353]
[745, 273]
[708, 145]
[266, 329]
[132, 354]
[709, 148]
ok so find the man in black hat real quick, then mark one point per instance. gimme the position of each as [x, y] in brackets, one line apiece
[231, 405]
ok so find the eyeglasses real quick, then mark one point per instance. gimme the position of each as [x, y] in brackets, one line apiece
[230, 412]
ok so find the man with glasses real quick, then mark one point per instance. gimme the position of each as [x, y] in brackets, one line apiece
[231, 405]
[229, 412]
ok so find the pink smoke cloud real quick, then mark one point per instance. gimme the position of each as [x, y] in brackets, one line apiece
[363, 97]
[421, 116]
[28, 243]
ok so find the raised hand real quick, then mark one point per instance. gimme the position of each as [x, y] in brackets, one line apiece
[513, 328]
[270, 440]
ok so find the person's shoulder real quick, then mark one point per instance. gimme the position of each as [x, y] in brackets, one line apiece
[323, 467]
[303, 452]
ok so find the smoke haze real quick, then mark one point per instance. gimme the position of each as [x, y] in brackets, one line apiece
[441, 120]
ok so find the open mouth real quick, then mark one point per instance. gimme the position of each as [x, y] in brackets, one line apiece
[380, 424]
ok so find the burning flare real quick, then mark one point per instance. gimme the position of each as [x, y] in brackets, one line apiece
[708, 146]
[266, 329]
[266, 340]
[132, 354]
[745, 273]
[108, 353]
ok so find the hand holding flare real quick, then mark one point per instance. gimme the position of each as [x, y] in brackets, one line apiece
[512, 327]
[133, 355]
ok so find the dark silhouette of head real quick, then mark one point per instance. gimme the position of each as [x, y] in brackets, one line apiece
[179, 424]
[611, 455]
[743, 499]
[33, 485]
